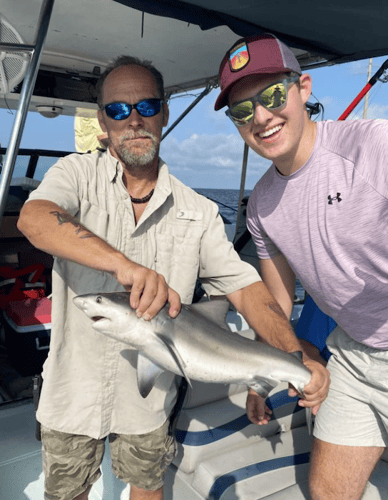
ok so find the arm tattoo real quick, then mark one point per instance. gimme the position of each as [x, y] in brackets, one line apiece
[64, 218]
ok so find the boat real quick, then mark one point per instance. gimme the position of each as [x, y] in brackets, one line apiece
[53, 53]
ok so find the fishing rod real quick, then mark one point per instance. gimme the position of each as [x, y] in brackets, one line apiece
[379, 75]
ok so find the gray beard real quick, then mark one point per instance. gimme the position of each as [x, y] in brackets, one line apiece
[132, 159]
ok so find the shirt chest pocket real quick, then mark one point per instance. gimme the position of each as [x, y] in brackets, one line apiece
[178, 246]
[99, 221]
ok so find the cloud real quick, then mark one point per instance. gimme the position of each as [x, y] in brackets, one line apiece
[334, 106]
[374, 111]
[213, 158]
[208, 151]
[328, 101]
[359, 68]
[205, 151]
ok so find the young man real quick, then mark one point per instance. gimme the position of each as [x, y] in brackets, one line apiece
[320, 212]
[118, 220]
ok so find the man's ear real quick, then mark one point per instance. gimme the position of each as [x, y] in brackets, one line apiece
[305, 86]
[166, 114]
[101, 120]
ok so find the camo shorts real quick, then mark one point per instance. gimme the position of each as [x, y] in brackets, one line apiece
[71, 463]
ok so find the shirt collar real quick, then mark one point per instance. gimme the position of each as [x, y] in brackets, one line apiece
[163, 185]
[114, 168]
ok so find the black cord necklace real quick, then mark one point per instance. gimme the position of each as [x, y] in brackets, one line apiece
[142, 200]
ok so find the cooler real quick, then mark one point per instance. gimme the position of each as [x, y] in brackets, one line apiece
[27, 325]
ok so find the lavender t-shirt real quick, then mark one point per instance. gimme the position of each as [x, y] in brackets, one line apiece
[330, 219]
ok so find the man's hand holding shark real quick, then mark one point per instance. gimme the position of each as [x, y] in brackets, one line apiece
[149, 291]
[265, 316]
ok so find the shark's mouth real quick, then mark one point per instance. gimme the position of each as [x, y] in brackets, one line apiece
[97, 318]
[100, 323]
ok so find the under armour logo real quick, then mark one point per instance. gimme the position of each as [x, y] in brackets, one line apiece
[335, 198]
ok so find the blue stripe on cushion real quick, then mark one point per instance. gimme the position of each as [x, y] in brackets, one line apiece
[201, 438]
[222, 483]
[281, 398]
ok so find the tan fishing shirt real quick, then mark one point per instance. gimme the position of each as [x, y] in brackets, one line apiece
[90, 383]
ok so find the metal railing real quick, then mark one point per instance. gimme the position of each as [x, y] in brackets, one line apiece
[25, 97]
[34, 155]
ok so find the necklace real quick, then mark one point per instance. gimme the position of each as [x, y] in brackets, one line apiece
[142, 200]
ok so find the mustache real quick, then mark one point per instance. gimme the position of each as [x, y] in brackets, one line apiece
[135, 135]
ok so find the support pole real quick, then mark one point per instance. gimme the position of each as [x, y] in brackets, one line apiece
[377, 76]
[25, 97]
[242, 184]
[206, 91]
[366, 103]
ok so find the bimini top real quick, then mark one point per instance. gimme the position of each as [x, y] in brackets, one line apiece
[185, 40]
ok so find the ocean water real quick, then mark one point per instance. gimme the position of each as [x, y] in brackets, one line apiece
[21, 164]
[226, 199]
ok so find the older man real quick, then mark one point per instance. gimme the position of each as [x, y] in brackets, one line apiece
[118, 220]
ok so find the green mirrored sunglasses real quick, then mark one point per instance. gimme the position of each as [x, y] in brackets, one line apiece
[272, 97]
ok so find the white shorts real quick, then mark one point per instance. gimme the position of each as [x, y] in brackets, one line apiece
[355, 412]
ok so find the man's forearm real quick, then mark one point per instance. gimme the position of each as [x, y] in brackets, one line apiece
[279, 278]
[51, 229]
[265, 316]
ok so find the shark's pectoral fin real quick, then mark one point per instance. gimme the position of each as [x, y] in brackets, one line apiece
[177, 358]
[263, 386]
[147, 373]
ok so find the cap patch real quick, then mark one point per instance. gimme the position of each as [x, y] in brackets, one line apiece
[239, 57]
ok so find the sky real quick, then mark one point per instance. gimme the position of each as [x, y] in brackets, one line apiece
[206, 150]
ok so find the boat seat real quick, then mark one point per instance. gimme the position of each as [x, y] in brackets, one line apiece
[257, 470]
[207, 430]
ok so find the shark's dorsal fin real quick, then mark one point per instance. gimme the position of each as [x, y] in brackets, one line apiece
[298, 355]
[213, 310]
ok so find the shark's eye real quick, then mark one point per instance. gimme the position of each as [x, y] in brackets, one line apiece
[98, 299]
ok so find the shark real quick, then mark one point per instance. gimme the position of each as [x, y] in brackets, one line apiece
[197, 345]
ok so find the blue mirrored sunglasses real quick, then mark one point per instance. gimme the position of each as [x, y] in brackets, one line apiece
[272, 97]
[121, 110]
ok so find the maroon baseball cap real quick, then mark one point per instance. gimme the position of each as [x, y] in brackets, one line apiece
[254, 55]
